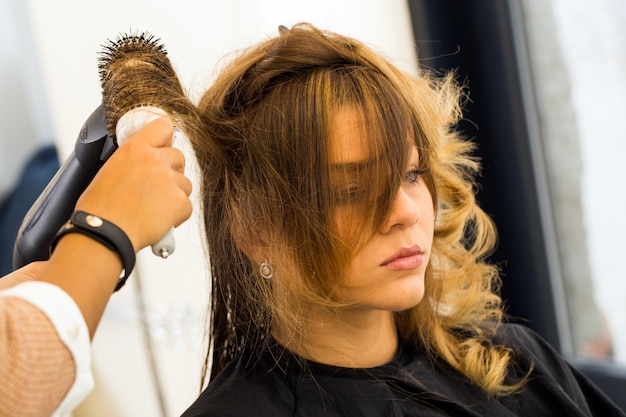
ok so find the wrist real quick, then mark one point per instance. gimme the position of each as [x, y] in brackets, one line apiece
[104, 233]
[87, 271]
[86, 263]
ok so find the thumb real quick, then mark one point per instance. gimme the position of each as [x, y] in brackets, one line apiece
[157, 133]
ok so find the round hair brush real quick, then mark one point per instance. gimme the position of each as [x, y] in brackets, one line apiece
[139, 85]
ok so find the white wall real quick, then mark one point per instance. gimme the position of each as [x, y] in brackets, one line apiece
[68, 35]
[23, 114]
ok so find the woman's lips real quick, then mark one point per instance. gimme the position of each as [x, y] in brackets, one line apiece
[405, 259]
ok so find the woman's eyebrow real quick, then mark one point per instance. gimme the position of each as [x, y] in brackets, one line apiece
[361, 165]
[352, 166]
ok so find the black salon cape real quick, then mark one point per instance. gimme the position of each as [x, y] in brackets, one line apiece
[410, 385]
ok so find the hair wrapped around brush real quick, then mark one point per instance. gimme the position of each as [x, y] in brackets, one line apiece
[136, 72]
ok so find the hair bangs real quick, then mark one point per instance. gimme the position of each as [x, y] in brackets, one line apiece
[387, 131]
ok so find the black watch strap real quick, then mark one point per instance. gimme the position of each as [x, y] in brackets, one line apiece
[103, 232]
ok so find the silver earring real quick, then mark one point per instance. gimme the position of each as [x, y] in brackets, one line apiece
[266, 270]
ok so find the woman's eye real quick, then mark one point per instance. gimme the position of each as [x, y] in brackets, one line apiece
[414, 175]
[349, 193]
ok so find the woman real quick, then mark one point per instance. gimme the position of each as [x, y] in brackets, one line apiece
[347, 249]
[49, 311]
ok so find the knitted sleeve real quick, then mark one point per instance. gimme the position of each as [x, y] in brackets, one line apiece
[36, 367]
[45, 351]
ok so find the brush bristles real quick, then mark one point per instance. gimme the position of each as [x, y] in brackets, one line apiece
[135, 71]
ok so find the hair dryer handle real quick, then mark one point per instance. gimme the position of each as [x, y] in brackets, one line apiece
[56, 203]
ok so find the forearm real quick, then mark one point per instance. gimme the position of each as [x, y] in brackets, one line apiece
[87, 271]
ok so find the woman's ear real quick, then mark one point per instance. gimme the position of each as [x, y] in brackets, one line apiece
[249, 236]
[255, 248]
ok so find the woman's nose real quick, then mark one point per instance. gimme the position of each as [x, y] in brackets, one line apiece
[404, 213]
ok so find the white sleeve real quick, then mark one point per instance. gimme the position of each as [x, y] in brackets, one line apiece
[72, 330]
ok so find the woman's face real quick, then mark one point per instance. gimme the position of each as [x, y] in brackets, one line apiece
[388, 272]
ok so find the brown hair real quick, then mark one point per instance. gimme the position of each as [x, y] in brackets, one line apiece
[262, 146]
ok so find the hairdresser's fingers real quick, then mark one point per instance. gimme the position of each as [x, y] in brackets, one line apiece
[175, 157]
[184, 183]
[158, 133]
[184, 206]
[141, 187]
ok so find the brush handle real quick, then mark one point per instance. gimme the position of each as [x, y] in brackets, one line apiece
[128, 125]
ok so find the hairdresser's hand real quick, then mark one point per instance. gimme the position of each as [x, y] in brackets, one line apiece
[142, 187]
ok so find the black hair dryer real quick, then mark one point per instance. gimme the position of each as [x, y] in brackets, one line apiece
[55, 205]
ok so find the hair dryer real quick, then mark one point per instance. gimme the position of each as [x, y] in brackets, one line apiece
[138, 84]
[56, 203]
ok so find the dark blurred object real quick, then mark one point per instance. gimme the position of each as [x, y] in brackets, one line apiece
[37, 173]
[55, 204]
